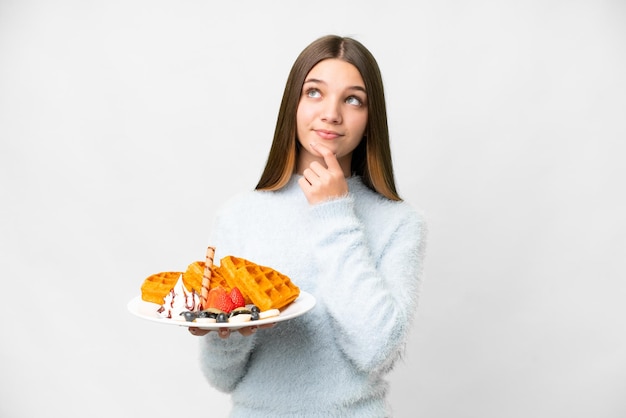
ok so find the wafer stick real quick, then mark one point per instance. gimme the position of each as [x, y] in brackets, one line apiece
[206, 276]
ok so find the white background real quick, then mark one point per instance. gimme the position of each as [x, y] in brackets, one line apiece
[125, 124]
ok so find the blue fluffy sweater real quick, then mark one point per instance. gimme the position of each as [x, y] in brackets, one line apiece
[361, 257]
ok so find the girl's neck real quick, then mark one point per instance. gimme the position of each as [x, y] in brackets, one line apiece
[305, 160]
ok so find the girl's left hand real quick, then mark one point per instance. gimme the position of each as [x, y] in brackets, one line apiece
[321, 183]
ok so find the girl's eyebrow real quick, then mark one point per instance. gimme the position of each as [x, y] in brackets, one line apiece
[359, 88]
[315, 80]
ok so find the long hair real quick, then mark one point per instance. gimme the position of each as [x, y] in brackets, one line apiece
[372, 157]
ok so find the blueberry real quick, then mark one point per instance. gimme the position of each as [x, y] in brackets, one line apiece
[254, 308]
[221, 318]
[189, 316]
[254, 316]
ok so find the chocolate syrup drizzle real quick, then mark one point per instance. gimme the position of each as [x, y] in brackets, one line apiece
[190, 302]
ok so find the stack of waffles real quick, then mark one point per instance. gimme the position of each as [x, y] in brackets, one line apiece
[260, 285]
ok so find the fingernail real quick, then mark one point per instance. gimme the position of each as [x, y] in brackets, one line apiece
[253, 330]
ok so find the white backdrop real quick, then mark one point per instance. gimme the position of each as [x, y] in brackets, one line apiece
[125, 124]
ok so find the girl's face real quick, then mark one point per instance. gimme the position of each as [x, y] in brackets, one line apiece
[332, 111]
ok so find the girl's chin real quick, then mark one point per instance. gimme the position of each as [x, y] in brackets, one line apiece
[328, 144]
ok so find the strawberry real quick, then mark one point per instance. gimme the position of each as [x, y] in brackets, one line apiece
[237, 298]
[219, 299]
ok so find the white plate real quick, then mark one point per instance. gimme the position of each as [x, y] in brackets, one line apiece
[148, 310]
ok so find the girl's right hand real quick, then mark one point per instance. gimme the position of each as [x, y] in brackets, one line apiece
[225, 332]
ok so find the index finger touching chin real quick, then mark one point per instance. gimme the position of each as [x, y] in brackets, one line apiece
[330, 158]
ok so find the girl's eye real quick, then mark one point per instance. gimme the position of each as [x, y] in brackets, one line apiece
[355, 101]
[313, 93]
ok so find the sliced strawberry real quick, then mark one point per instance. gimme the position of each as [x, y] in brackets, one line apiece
[237, 298]
[219, 299]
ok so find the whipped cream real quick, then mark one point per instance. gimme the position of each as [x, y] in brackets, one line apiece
[178, 300]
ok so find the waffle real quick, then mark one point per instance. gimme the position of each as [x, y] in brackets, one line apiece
[263, 286]
[192, 277]
[218, 278]
[157, 286]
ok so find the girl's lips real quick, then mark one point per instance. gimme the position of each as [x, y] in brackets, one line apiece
[324, 134]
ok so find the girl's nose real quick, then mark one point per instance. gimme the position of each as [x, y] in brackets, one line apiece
[331, 113]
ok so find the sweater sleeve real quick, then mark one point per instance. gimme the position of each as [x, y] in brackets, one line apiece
[370, 298]
[224, 361]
